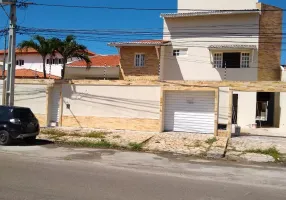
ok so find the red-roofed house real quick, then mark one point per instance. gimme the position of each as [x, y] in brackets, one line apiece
[101, 67]
[30, 59]
[31, 74]
[139, 59]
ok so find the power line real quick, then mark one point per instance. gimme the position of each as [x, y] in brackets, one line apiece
[136, 8]
[5, 11]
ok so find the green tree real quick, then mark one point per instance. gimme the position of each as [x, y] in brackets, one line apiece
[69, 48]
[42, 45]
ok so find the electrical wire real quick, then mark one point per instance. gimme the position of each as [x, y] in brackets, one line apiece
[142, 9]
[4, 11]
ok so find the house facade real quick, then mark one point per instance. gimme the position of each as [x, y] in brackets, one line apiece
[101, 67]
[139, 59]
[30, 59]
[232, 46]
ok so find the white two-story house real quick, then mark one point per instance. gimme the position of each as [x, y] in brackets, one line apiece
[221, 41]
[32, 60]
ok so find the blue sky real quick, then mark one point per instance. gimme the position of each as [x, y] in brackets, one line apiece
[68, 18]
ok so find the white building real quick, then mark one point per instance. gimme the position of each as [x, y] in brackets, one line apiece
[241, 44]
[30, 59]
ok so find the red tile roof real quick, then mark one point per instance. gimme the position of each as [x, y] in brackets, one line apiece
[31, 74]
[33, 51]
[140, 43]
[98, 61]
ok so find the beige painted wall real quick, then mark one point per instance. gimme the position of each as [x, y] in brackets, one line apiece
[283, 75]
[93, 72]
[246, 111]
[112, 101]
[188, 33]
[32, 96]
[216, 4]
[223, 111]
[283, 110]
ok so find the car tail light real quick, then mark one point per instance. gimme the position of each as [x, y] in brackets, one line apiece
[15, 121]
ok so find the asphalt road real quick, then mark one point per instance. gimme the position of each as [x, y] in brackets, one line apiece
[65, 174]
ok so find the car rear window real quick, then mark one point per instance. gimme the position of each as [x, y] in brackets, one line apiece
[22, 113]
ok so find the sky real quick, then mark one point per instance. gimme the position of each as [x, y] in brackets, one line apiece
[75, 18]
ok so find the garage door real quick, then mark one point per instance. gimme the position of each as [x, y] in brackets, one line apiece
[189, 112]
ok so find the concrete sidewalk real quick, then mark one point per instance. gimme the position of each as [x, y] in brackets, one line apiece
[180, 143]
[257, 148]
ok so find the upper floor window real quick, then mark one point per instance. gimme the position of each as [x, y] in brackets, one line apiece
[54, 61]
[20, 62]
[180, 52]
[231, 60]
[139, 60]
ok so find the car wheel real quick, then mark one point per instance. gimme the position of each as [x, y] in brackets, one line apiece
[30, 140]
[5, 138]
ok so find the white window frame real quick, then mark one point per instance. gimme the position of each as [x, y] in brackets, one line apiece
[243, 59]
[139, 60]
[218, 63]
[180, 52]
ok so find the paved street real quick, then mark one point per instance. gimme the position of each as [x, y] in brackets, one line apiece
[52, 172]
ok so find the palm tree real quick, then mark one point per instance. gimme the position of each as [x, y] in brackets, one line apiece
[42, 45]
[69, 48]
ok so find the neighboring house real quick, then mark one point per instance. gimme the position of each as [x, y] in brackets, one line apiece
[30, 59]
[31, 74]
[139, 58]
[241, 44]
[101, 67]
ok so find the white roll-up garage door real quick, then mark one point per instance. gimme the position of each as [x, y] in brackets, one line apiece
[189, 111]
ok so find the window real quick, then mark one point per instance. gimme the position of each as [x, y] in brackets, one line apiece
[54, 61]
[180, 52]
[20, 62]
[139, 60]
[245, 60]
[218, 60]
[231, 60]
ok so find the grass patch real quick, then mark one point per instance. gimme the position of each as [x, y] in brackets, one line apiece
[210, 141]
[75, 135]
[197, 143]
[54, 132]
[135, 146]
[271, 152]
[90, 144]
[116, 137]
[100, 135]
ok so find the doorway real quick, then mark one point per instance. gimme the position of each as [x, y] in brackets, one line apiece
[265, 109]
[234, 108]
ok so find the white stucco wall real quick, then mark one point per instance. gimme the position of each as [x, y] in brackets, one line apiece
[196, 34]
[112, 101]
[223, 105]
[246, 109]
[27, 95]
[282, 110]
[34, 62]
[32, 96]
[283, 75]
[93, 72]
[216, 4]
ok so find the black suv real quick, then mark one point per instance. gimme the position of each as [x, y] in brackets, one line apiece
[17, 123]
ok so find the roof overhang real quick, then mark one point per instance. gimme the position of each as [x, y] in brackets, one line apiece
[210, 13]
[231, 47]
[139, 43]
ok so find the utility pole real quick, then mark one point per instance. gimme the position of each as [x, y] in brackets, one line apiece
[4, 61]
[10, 80]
